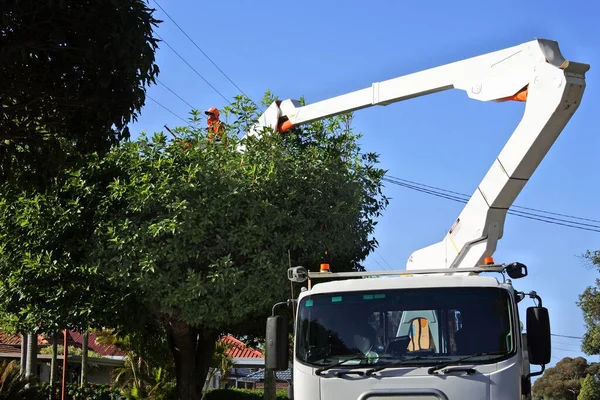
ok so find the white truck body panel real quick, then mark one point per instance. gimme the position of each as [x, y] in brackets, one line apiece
[498, 381]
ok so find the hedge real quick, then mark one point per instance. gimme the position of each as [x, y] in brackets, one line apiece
[77, 392]
[241, 394]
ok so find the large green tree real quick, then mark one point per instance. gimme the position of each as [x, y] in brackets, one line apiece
[73, 77]
[563, 381]
[190, 235]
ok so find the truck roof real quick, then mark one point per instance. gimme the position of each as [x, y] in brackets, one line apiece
[403, 282]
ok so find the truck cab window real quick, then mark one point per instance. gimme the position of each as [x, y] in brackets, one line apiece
[435, 322]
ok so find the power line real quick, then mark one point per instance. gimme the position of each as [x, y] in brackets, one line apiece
[463, 198]
[515, 206]
[193, 69]
[378, 263]
[148, 96]
[567, 336]
[204, 53]
[178, 96]
[384, 260]
[561, 349]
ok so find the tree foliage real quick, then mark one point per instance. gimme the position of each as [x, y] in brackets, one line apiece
[589, 302]
[590, 388]
[73, 77]
[189, 237]
[563, 381]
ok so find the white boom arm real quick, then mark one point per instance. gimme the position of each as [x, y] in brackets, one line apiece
[534, 72]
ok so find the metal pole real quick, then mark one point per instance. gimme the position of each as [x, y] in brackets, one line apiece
[63, 395]
[53, 365]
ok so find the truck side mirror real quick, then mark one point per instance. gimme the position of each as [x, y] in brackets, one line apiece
[277, 343]
[538, 335]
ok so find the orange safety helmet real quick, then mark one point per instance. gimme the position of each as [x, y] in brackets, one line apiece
[212, 113]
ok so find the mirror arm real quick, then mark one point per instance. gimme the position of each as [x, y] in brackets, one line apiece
[540, 372]
[281, 303]
[534, 295]
[277, 305]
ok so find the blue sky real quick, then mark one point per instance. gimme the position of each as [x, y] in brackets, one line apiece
[320, 49]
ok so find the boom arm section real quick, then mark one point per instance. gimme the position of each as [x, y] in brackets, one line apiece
[534, 72]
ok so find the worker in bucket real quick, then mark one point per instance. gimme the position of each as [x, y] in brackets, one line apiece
[215, 126]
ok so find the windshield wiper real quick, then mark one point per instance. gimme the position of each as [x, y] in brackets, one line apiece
[337, 364]
[444, 365]
[358, 358]
[397, 364]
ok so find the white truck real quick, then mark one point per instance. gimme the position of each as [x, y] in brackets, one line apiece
[443, 328]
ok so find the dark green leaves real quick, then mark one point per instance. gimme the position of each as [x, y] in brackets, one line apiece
[73, 77]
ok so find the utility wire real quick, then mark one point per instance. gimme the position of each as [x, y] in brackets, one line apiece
[205, 55]
[193, 69]
[463, 198]
[378, 263]
[384, 260]
[567, 336]
[515, 206]
[561, 349]
[178, 96]
[148, 96]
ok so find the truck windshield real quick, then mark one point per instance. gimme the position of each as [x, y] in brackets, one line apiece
[423, 325]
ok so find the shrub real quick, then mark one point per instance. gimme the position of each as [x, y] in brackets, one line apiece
[77, 392]
[241, 394]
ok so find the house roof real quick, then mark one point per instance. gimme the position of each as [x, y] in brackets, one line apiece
[106, 350]
[237, 349]
[279, 375]
[12, 344]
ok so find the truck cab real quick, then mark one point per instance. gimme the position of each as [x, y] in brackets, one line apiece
[426, 336]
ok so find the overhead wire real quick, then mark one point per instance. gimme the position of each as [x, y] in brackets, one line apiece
[463, 198]
[148, 96]
[205, 55]
[178, 96]
[567, 336]
[514, 206]
[384, 260]
[193, 69]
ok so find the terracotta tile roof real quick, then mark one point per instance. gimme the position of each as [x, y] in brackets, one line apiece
[238, 349]
[13, 342]
[107, 350]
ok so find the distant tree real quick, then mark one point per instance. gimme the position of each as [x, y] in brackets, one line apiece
[590, 389]
[563, 381]
[589, 302]
[72, 78]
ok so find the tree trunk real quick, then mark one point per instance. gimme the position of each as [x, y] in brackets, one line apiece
[23, 353]
[192, 349]
[84, 357]
[31, 367]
